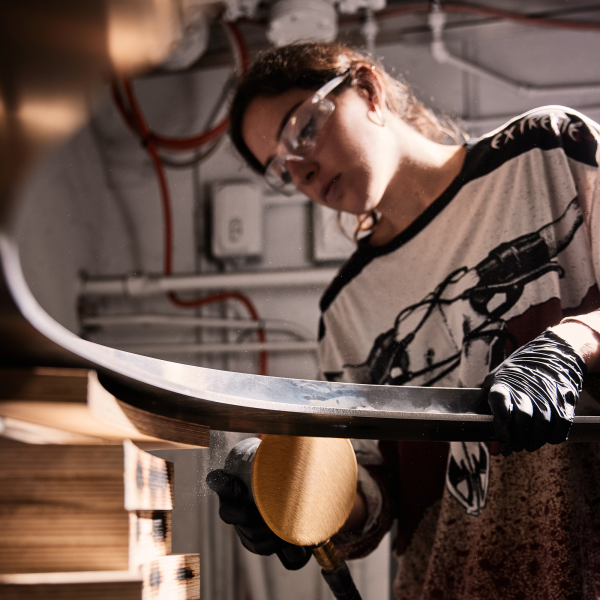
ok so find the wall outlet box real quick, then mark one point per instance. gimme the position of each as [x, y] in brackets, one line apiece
[237, 219]
[329, 241]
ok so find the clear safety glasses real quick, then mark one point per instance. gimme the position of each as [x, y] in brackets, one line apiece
[299, 136]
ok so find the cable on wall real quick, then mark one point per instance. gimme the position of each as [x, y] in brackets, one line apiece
[130, 113]
[130, 110]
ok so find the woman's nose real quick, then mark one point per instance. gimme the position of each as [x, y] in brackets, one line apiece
[303, 172]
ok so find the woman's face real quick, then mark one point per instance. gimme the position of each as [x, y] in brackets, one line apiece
[349, 169]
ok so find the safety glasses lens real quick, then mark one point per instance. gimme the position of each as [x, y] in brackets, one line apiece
[302, 130]
[297, 141]
[278, 177]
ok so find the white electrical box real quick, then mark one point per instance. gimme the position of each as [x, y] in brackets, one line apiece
[237, 219]
[332, 238]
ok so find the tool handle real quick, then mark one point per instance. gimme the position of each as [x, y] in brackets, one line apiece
[340, 582]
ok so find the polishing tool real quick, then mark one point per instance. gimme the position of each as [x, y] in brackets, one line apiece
[305, 489]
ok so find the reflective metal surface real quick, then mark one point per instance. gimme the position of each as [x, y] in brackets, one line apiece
[253, 403]
[53, 53]
[240, 402]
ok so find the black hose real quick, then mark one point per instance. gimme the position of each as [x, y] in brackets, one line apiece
[340, 582]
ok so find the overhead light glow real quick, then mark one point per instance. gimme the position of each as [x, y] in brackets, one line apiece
[141, 34]
[51, 117]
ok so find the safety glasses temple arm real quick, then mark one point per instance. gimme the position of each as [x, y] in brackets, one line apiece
[330, 86]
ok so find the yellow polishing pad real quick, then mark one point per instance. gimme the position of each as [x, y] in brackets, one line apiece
[304, 487]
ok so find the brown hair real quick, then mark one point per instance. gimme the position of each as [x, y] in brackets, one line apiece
[309, 66]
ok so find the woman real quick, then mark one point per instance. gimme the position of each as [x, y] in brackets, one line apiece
[471, 251]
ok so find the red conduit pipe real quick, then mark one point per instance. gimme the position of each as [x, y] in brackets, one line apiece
[221, 297]
[134, 117]
[185, 144]
[189, 143]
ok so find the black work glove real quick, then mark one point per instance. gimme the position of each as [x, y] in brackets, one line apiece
[237, 508]
[534, 393]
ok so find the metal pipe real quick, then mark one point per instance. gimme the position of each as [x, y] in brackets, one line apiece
[439, 51]
[203, 322]
[281, 346]
[146, 285]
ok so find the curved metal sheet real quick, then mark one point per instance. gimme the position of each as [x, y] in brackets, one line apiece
[254, 403]
[67, 69]
[240, 401]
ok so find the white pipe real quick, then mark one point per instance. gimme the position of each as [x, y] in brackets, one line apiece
[439, 51]
[369, 30]
[283, 346]
[146, 285]
[203, 322]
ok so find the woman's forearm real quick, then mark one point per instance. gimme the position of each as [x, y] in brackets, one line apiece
[358, 516]
[582, 332]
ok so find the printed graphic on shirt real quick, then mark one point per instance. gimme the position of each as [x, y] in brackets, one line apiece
[545, 129]
[477, 331]
[468, 475]
[517, 205]
[556, 121]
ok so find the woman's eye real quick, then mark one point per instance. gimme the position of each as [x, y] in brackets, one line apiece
[307, 134]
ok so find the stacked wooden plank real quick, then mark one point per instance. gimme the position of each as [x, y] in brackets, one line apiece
[85, 520]
[70, 406]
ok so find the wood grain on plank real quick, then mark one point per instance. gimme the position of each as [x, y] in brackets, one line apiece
[96, 418]
[97, 585]
[175, 577]
[44, 384]
[64, 508]
[169, 429]
[150, 536]
[148, 480]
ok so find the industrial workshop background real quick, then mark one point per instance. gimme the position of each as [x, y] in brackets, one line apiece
[145, 231]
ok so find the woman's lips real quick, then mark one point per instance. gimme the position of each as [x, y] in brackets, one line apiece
[331, 190]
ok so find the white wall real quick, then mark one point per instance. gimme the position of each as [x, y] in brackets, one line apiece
[94, 207]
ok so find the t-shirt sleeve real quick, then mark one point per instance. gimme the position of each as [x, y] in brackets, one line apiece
[373, 483]
[581, 142]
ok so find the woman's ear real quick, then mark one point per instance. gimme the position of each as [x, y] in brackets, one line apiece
[376, 116]
[370, 84]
